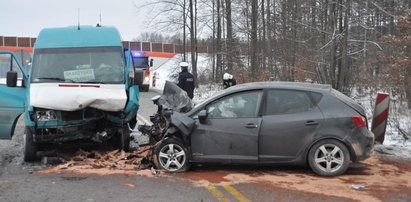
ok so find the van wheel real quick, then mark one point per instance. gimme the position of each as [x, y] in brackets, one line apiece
[30, 147]
[125, 138]
[171, 155]
[329, 158]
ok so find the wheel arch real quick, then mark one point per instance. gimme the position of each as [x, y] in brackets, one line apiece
[350, 149]
[13, 128]
[174, 132]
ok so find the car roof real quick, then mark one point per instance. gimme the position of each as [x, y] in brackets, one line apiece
[72, 36]
[281, 85]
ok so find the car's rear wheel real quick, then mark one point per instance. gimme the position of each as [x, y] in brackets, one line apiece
[329, 158]
[171, 155]
[30, 147]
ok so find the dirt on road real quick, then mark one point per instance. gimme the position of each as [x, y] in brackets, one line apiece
[382, 178]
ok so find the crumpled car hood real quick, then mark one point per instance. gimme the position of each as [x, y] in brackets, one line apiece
[72, 97]
[175, 98]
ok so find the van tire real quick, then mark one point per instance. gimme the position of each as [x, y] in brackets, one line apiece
[124, 138]
[29, 147]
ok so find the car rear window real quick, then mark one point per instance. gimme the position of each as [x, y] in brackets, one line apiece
[287, 102]
[316, 97]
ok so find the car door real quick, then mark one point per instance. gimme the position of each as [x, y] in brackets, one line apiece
[12, 99]
[290, 120]
[230, 133]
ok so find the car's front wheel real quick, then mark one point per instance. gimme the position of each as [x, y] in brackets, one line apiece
[329, 158]
[30, 147]
[171, 155]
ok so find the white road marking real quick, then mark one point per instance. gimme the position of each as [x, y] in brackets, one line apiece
[144, 120]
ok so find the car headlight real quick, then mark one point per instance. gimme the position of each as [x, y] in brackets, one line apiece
[48, 115]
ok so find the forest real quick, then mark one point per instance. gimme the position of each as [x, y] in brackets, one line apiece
[353, 45]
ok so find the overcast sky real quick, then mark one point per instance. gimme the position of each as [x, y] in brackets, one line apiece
[26, 18]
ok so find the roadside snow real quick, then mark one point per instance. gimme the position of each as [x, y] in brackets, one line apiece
[170, 70]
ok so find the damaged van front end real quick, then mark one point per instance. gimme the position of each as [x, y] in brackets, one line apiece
[81, 86]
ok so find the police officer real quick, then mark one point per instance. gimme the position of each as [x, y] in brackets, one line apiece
[228, 80]
[186, 80]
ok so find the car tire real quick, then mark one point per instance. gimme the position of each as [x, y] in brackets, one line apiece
[329, 158]
[125, 138]
[30, 147]
[171, 155]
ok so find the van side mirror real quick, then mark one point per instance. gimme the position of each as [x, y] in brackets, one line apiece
[11, 79]
[151, 62]
[202, 116]
[138, 77]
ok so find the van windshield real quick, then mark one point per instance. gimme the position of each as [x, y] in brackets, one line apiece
[78, 65]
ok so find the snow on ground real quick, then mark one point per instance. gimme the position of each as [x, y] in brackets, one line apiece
[399, 117]
[170, 70]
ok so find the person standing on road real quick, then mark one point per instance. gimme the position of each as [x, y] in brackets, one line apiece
[186, 80]
[228, 80]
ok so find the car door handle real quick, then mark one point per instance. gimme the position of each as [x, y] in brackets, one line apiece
[251, 125]
[311, 123]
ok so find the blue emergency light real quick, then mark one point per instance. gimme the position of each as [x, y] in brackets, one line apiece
[137, 54]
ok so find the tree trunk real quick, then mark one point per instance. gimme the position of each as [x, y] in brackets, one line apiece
[230, 42]
[218, 60]
[408, 79]
[184, 32]
[193, 43]
[254, 51]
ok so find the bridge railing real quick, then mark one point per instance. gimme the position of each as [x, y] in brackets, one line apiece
[28, 42]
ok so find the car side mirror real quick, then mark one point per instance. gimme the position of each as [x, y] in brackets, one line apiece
[11, 79]
[202, 116]
[151, 62]
[138, 77]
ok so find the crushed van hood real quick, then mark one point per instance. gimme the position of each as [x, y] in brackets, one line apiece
[72, 97]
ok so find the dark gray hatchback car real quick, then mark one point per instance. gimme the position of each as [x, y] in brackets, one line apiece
[270, 123]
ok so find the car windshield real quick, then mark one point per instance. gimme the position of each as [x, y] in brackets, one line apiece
[140, 62]
[78, 65]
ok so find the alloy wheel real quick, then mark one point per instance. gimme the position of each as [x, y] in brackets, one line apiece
[329, 158]
[172, 157]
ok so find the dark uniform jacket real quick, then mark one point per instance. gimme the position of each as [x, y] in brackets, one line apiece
[186, 82]
[227, 83]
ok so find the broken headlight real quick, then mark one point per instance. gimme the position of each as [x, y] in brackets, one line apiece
[48, 115]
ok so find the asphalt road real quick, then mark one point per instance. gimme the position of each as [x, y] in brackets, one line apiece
[21, 182]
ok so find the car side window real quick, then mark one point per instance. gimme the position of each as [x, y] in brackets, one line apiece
[8, 63]
[240, 105]
[287, 102]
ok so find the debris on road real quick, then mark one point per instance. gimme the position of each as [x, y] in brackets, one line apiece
[104, 162]
[358, 186]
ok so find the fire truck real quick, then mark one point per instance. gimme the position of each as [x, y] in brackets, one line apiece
[142, 61]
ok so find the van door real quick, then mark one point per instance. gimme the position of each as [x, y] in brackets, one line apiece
[12, 99]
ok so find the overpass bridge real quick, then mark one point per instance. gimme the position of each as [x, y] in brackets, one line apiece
[14, 43]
